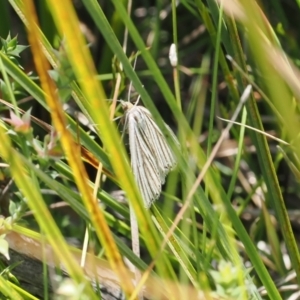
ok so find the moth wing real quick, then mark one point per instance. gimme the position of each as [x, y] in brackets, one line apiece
[158, 144]
[143, 164]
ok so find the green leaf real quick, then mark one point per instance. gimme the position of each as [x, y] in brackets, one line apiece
[4, 247]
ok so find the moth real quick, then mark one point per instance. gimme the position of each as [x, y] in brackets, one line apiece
[151, 156]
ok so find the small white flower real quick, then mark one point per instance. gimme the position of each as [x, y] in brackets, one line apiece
[173, 56]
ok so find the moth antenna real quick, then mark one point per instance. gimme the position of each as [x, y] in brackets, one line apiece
[130, 85]
[138, 100]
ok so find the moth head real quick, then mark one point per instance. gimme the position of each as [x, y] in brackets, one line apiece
[126, 105]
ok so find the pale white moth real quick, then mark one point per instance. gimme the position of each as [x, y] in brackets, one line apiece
[151, 156]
